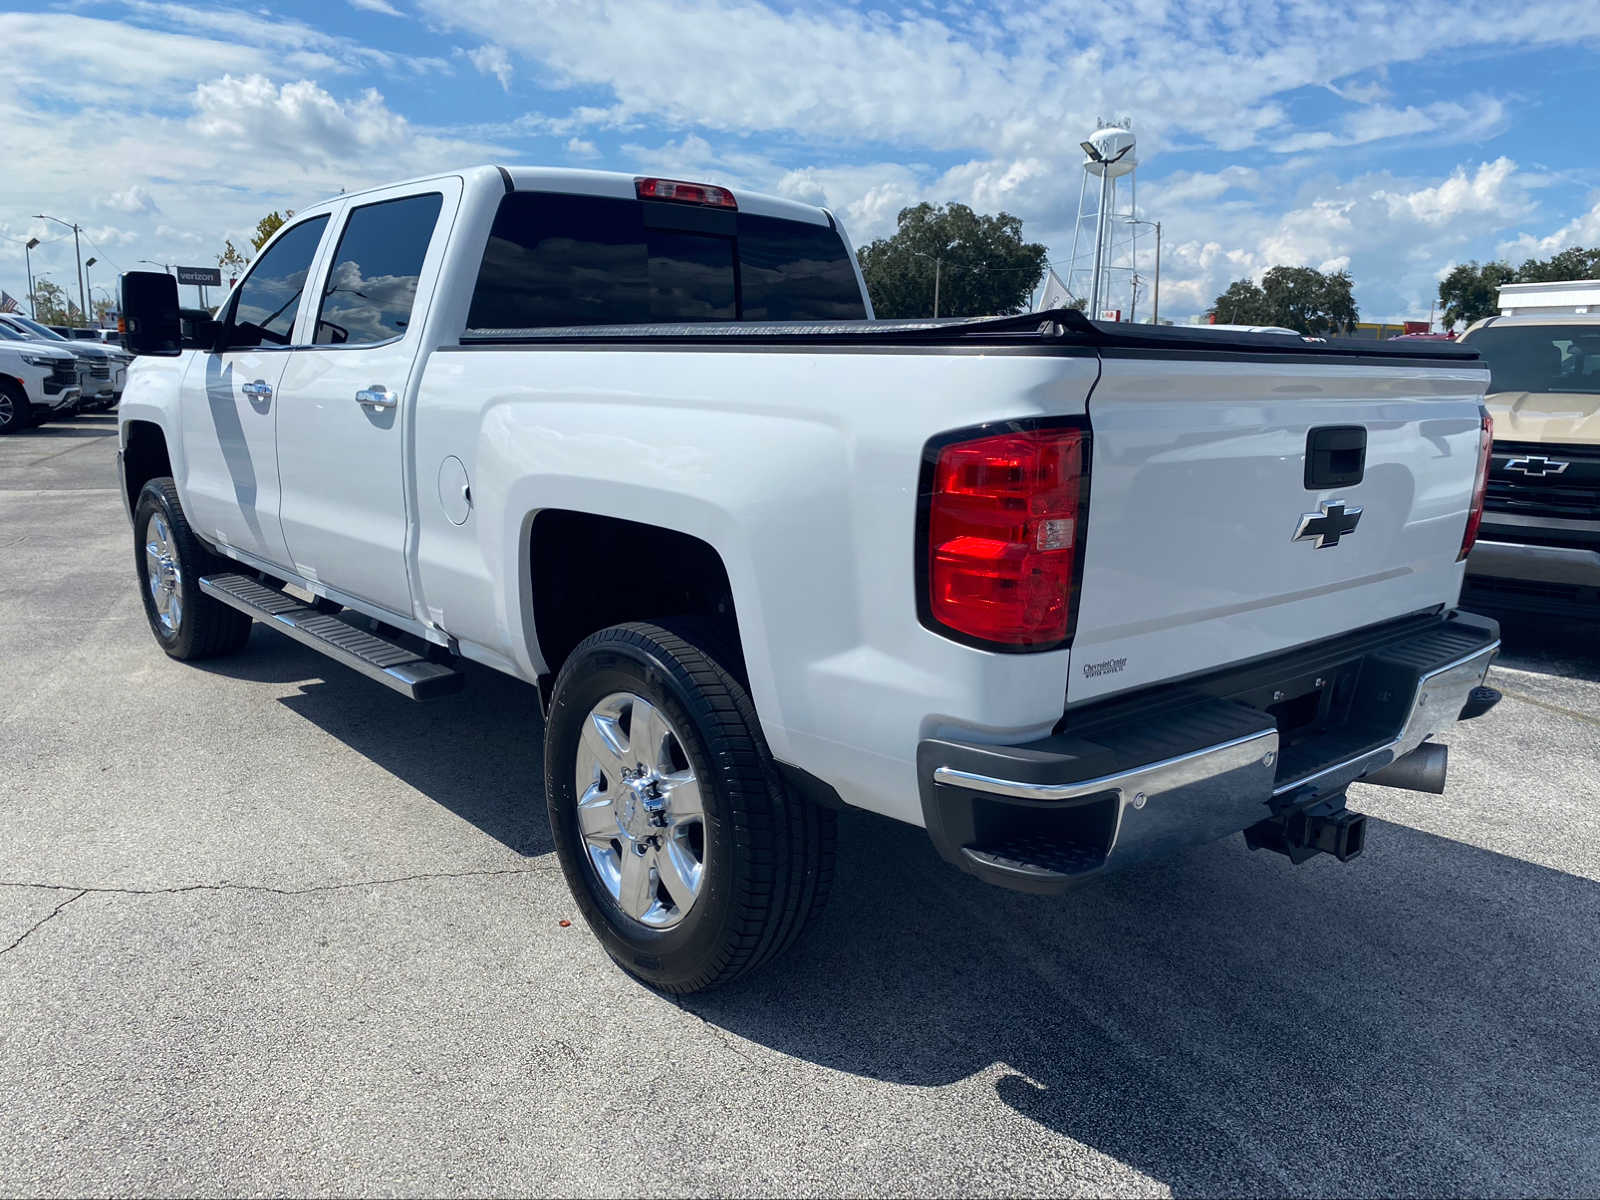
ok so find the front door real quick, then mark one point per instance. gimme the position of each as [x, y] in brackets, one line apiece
[345, 407]
[229, 481]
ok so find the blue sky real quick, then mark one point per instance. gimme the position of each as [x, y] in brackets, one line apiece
[1390, 139]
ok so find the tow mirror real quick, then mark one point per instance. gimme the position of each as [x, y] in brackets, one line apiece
[150, 314]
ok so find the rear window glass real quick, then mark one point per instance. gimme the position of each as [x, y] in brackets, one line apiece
[556, 260]
[1540, 358]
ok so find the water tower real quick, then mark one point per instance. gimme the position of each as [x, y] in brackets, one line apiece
[1108, 155]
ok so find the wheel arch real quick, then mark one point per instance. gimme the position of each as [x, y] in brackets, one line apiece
[145, 456]
[564, 545]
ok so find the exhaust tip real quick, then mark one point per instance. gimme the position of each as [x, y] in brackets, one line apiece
[1423, 770]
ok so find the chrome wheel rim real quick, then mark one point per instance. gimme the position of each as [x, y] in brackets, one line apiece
[162, 574]
[8, 411]
[640, 813]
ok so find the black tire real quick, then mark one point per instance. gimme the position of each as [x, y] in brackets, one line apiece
[206, 628]
[15, 411]
[769, 855]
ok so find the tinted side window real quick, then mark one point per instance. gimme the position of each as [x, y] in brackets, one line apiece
[791, 271]
[556, 260]
[562, 260]
[264, 312]
[373, 282]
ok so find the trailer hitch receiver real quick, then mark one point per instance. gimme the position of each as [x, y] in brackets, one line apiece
[1327, 827]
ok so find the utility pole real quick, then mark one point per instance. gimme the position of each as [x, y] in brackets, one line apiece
[27, 253]
[1155, 297]
[77, 250]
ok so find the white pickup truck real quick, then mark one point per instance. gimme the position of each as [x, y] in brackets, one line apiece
[1065, 594]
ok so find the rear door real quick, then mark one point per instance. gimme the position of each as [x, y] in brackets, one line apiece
[1208, 543]
[345, 415]
[230, 401]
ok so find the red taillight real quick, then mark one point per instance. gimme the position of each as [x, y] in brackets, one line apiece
[1005, 523]
[1479, 487]
[684, 193]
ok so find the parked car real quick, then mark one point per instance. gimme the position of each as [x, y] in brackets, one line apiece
[1540, 543]
[102, 370]
[1066, 594]
[36, 381]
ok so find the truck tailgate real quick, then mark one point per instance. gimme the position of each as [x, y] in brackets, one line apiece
[1199, 487]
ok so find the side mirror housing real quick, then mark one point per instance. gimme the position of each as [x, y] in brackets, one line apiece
[150, 314]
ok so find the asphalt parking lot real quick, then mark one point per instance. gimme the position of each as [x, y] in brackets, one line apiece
[268, 928]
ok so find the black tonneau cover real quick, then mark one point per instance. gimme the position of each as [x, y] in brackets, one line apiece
[1053, 327]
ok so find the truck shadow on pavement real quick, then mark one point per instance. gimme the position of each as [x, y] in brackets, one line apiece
[1550, 645]
[479, 754]
[1421, 1020]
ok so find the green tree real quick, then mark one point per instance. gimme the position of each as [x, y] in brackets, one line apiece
[1574, 262]
[1471, 290]
[1244, 303]
[1306, 299]
[1300, 298]
[983, 266]
[267, 226]
[230, 261]
[51, 305]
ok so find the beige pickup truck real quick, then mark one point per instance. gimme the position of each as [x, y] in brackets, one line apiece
[1539, 546]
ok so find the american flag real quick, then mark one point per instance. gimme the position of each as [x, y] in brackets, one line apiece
[8, 303]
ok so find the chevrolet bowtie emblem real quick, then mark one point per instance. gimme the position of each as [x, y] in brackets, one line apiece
[1328, 526]
[1537, 465]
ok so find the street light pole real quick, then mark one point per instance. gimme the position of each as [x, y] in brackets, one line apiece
[77, 250]
[27, 253]
[86, 267]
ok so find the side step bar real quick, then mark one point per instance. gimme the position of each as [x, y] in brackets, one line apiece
[393, 666]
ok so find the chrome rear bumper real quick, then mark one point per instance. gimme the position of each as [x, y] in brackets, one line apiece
[1190, 766]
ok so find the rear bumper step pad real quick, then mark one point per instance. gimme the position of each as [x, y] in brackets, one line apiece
[392, 665]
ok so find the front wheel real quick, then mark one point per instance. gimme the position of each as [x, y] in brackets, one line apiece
[15, 411]
[687, 856]
[170, 560]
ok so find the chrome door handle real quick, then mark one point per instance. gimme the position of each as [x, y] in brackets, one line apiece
[259, 390]
[376, 396]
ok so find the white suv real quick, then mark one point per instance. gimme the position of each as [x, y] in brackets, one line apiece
[35, 380]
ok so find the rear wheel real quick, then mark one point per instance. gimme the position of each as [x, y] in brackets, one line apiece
[15, 411]
[687, 856]
[170, 560]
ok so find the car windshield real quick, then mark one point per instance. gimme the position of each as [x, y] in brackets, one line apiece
[1540, 358]
[37, 329]
[10, 334]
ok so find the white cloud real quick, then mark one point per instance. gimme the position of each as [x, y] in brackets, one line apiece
[580, 148]
[1447, 120]
[377, 6]
[89, 60]
[491, 59]
[1490, 190]
[131, 199]
[1023, 83]
[1582, 230]
[294, 118]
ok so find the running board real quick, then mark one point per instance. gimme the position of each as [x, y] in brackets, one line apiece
[391, 665]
